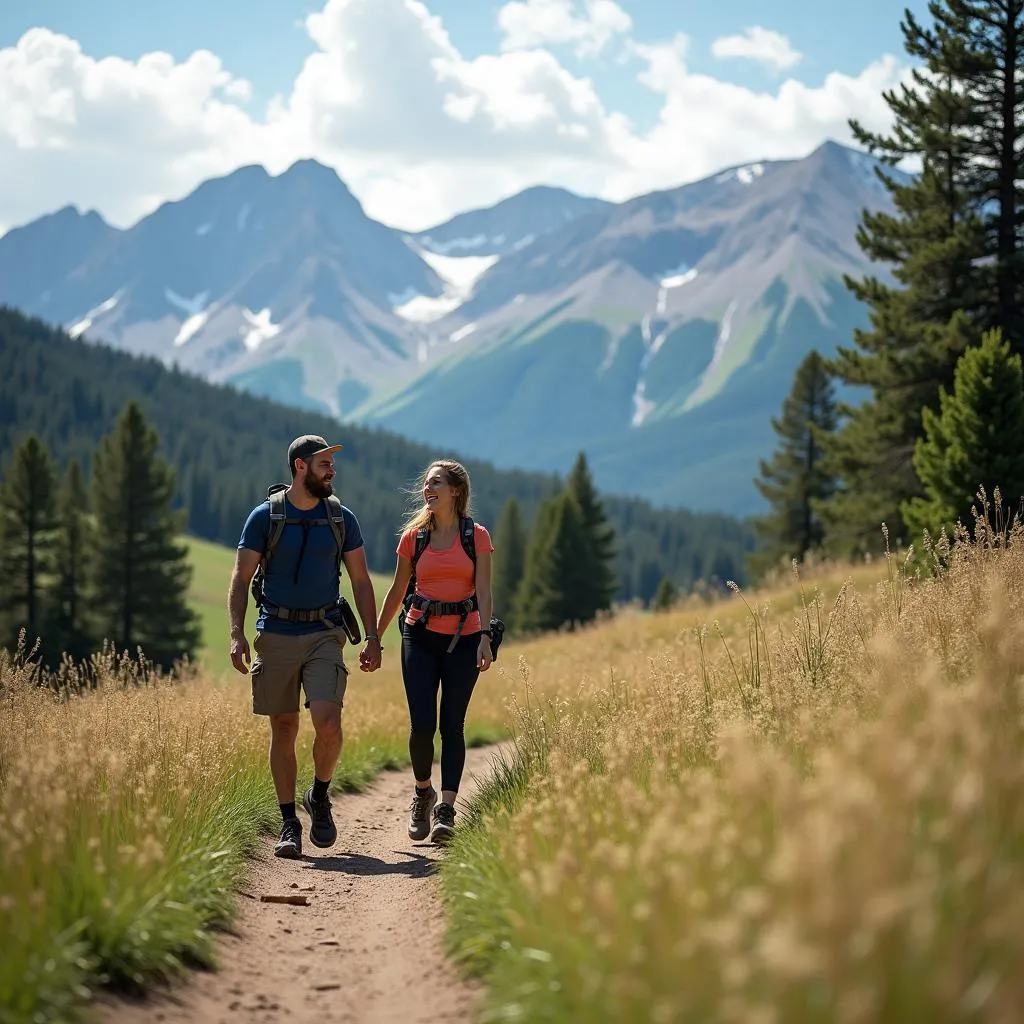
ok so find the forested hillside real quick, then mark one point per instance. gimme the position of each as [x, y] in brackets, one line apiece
[228, 446]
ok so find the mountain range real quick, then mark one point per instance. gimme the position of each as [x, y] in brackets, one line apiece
[659, 334]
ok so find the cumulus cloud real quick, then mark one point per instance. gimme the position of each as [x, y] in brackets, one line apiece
[707, 123]
[531, 23]
[759, 44]
[417, 129]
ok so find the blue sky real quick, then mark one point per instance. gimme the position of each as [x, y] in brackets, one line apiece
[264, 41]
[630, 91]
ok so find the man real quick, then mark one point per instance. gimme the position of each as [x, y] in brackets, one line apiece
[299, 640]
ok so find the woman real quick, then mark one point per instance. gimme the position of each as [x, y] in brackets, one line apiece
[444, 642]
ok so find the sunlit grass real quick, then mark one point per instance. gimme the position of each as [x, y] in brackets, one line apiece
[796, 806]
[126, 814]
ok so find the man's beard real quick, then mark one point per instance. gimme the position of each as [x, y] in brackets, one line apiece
[319, 488]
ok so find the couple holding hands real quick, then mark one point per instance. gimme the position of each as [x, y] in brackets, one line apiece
[290, 557]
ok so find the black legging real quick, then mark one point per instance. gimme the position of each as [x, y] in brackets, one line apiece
[425, 664]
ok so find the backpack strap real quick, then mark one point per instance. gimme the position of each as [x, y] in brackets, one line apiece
[336, 518]
[277, 519]
[422, 540]
[467, 535]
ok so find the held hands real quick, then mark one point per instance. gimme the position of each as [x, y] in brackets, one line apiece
[484, 655]
[240, 656]
[369, 656]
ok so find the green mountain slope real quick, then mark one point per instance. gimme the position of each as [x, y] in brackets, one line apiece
[572, 384]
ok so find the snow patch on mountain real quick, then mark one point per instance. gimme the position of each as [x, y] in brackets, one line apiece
[261, 328]
[197, 314]
[460, 275]
[462, 332]
[642, 405]
[673, 279]
[468, 244]
[190, 328]
[745, 175]
[204, 229]
[243, 216]
[76, 330]
[460, 272]
[425, 309]
[677, 279]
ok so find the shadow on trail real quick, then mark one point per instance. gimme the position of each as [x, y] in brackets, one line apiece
[363, 864]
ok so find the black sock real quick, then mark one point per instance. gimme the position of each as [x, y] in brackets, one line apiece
[320, 788]
[288, 810]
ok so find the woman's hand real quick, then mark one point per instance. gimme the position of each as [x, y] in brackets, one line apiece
[483, 653]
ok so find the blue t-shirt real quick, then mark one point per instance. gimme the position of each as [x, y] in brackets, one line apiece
[318, 581]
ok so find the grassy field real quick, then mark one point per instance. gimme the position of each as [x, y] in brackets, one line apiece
[146, 796]
[797, 805]
[782, 809]
[211, 572]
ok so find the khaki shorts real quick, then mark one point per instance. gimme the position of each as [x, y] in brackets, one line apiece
[284, 662]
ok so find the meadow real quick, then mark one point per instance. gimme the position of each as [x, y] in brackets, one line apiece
[803, 805]
[129, 801]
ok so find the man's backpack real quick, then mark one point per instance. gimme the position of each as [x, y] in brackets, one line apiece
[278, 520]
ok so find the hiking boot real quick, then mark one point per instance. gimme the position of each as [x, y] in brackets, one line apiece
[290, 843]
[444, 824]
[423, 802]
[322, 831]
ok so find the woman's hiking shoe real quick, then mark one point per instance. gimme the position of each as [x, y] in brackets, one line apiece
[322, 831]
[290, 843]
[423, 802]
[444, 824]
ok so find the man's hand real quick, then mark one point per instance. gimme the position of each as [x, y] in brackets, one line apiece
[240, 656]
[369, 656]
[484, 654]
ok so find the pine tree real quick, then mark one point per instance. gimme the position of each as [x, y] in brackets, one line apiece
[28, 521]
[551, 579]
[140, 572]
[796, 481]
[942, 243]
[983, 45]
[509, 561]
[665, 596]
[69, 603]
[597, 553]
[974, 441]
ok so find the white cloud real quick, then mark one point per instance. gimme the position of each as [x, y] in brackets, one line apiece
[760, 44]
[707, 123]
[417, 130]
[532, 23]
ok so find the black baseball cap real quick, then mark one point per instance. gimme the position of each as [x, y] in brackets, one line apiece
[308, 445]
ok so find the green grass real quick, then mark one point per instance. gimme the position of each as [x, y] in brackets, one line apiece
[208, 595]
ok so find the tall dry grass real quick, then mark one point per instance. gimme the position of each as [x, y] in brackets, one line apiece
[127, 808]
[808, 810]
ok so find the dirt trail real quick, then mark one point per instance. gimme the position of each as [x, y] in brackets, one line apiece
[368, 948]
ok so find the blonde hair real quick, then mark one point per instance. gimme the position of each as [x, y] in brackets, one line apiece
[457, 477]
